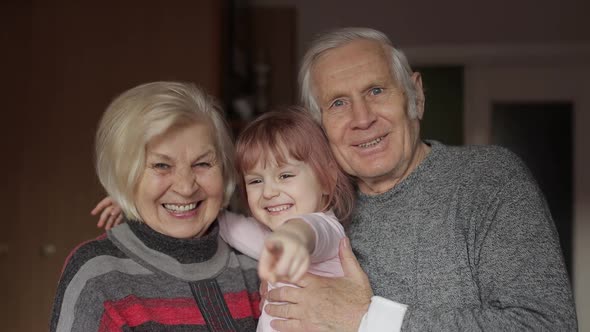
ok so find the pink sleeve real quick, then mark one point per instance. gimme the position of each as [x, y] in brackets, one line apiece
[328, 232]
[242, 233]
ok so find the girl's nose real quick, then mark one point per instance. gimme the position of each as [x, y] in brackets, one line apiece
[269, 190]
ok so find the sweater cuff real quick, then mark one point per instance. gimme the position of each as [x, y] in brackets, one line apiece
[383, 315]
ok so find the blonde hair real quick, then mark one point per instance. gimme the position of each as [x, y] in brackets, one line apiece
[137, 116]
[399, 66]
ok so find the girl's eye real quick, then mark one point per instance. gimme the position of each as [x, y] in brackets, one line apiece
[376, 91]
[286, 176]
[254, 181]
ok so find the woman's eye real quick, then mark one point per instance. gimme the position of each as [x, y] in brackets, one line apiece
[202, 165]
[161, 166]
[376, 91]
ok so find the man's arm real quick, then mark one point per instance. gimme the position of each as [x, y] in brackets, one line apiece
[336, 304]
[332, 304]
[518, 269]
[519, 272]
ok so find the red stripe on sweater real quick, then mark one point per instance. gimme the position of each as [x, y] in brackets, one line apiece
[133, 311]
[100, 237]
[240, 305]
[255, 301]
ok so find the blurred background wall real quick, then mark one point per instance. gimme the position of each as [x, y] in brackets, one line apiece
[515, 73]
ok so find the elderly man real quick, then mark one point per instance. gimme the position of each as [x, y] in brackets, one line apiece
[450, 238]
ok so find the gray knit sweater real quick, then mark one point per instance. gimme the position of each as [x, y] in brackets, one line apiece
[468, 243]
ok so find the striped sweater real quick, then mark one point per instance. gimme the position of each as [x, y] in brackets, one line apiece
[135, 279]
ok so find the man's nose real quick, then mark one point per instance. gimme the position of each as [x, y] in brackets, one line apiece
[362, 114]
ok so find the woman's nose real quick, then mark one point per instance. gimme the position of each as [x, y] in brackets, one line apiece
[185, 182]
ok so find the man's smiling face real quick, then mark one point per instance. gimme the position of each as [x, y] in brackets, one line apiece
[364, 114]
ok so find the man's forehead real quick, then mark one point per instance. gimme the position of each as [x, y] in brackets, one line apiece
[350, 64]
[356, 51]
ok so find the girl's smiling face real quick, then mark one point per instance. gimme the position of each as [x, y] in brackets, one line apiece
[276, 192]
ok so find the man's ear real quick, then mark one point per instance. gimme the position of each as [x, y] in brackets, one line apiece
[417, 81]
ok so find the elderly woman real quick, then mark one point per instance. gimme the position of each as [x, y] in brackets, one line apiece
[163, 152]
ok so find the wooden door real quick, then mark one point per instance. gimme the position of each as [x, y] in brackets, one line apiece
[78, 56]
[14, 32]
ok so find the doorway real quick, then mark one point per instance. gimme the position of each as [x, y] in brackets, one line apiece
[540, 133]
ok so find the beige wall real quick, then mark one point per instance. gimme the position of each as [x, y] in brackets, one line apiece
[432, 22]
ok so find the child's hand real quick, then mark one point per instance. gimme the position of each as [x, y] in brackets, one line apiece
[284, 258]
[111, 214]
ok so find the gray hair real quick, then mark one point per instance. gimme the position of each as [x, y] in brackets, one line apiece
[138, 115]
[399, 66]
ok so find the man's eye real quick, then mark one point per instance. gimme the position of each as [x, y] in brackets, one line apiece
[337, 103]
[376, 91]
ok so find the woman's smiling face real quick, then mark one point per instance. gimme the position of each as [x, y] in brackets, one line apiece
[181, 188]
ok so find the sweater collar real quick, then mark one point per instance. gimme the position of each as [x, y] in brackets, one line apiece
[190, 260]
[183, 250]
[436, 153]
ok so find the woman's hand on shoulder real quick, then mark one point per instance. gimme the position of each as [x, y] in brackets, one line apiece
[110, 213]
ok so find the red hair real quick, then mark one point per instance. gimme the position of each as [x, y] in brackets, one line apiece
[296, 131]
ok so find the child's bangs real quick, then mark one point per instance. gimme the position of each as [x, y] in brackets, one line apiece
[247, 156]
[265, 150]
[282, 152]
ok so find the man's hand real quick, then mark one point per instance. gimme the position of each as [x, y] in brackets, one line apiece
[263, 290]
[324, 304]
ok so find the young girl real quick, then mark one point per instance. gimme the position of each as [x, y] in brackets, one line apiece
[296, 193]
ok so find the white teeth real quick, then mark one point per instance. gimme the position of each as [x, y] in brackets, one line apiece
[180, 208]
[278, 208]
[371, 143]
